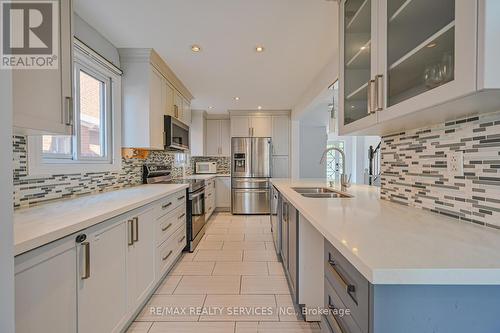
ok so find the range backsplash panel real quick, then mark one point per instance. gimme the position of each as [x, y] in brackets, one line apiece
[414, 169]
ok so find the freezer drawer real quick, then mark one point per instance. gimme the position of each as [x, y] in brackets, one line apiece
[250, 201]
[250, 183]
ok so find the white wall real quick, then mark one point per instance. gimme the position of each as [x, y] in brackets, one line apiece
[6, 207]
[312, 145]
[93, 39]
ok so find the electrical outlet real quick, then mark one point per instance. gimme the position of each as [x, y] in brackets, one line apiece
[455, 163]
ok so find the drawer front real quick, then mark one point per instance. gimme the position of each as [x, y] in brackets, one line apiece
[210, 195]
[168, 224]
[210, 184]
[352, 287]
[168, 204]
[168, 251]
[338, 320]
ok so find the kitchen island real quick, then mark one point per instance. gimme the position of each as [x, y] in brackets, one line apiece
[398, 269]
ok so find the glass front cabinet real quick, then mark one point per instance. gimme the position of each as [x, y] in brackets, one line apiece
[399, 57]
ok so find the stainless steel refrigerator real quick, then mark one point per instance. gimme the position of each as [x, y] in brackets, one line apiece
[250, 173]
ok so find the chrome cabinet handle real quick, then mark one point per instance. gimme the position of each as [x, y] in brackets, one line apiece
[166, 228]
[181, 216]
[349, 288]
[182, 239]
[136, 229]
[181, 198]
[165, 206]
[379, 88]
[371, 97]
[86, 260]
[130, 232]
[168, 255]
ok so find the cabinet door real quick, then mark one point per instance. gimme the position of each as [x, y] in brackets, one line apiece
[281, 135]
[358, 40]
[225, 137]
[432, 64]
[170, 99]
[102, 288]
[157, 106]
[140, 259]
[261, 126]
[42, 98]
[223, 192]
[240, 126]
[186, 112]
[293, 244]
[213, 137]
[45, 289]
[178, 105]
[280, 167]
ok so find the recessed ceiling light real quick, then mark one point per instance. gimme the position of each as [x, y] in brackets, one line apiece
[431, 45]
[363, 47]
[236, 98]
[259, 48]
[259, 107]
[210, 107]
[195, 48]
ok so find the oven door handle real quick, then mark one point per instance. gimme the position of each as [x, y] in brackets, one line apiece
[196, 195]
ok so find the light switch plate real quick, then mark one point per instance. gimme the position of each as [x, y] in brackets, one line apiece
[455, 163]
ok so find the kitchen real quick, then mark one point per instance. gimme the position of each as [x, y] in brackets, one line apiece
[284, 166]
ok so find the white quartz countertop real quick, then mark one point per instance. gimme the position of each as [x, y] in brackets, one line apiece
[40, 225]
[394, 244]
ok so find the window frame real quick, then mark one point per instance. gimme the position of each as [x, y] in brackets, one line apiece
[93, 64]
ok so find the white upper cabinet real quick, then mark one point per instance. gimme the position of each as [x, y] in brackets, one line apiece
[186, 112]
[218, 141]
[261, 126]
[358, 62]
[43, 98]
[225, 137]
[281, 135]
[251, 126]
[409, 63]
[213, 137]
[240, 126]
[150, 91]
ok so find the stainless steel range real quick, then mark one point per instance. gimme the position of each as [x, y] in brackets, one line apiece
[195, 205]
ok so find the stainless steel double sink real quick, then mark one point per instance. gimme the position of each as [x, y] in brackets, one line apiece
[320, 192]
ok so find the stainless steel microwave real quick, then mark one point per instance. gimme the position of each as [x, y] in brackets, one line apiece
[176, 134]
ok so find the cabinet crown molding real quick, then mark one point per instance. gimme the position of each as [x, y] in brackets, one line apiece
[151, 56]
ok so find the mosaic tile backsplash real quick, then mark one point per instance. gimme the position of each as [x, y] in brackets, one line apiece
[414, 169]
[30, 190]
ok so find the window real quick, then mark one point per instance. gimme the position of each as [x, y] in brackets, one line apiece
[333, 161]
[95, 143]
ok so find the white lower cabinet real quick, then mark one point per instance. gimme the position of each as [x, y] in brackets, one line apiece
[96, 280]
[223, 192]
[140, 257]
[210, 195]
[45, 289]
[102, 277]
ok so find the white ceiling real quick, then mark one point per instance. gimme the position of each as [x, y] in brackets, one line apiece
[298, 36]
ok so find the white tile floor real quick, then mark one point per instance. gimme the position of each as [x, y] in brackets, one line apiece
[232, 283]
